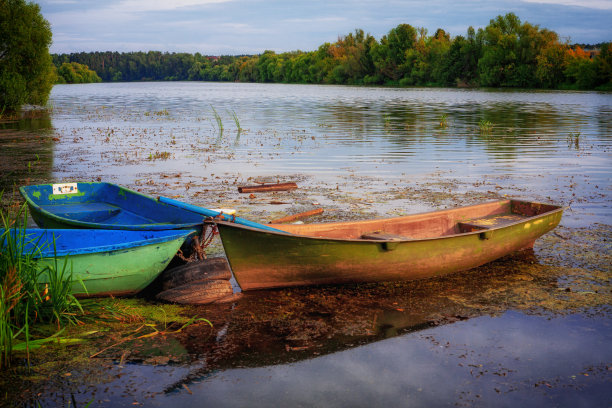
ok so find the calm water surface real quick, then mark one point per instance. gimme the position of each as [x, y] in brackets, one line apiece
[363, 152]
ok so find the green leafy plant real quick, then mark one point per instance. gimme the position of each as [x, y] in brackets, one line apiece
[10, 296]
[387, 119]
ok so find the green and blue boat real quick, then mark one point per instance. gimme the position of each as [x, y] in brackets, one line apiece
[102, 262]
[118, 240]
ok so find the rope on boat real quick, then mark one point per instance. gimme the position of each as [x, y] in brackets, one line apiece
[199, 244]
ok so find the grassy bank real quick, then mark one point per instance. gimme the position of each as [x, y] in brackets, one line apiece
[24, 303]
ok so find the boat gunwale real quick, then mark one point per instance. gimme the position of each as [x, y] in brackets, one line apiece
[49, 251]
[559, 208]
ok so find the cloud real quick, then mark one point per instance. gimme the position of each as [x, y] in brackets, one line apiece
[315, 20]
[143, 6]
[61, 2]
[594, 4]
[243, 26]
[125, 9]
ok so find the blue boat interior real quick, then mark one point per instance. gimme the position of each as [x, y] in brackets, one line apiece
[105, 203]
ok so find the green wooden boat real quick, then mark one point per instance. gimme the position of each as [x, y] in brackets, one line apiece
[102, 262]
[392, 249]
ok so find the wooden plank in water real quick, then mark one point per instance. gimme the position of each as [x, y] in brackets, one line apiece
[268, 187]
[299, 216]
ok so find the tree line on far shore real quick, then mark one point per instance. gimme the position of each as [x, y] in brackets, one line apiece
[506, 53]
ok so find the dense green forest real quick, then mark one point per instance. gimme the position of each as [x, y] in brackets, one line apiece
[506, 53]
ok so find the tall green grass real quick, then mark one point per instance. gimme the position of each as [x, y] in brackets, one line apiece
[236, 121]
[218, 120]
[24, 300]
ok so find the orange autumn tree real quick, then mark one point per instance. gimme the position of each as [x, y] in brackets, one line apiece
[581, 69]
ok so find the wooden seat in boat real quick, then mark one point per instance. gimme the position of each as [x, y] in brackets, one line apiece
[492, 221]
[92, 212]
[383, 236]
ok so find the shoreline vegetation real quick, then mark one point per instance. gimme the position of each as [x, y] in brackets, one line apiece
[31, 314]
[506, 53]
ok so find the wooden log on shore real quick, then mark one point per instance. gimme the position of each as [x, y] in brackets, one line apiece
[207, 269]
[268, 187]
[295, 217]
[198, 292]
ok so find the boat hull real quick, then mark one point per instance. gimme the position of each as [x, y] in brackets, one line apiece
[261, 259]
[104, 262]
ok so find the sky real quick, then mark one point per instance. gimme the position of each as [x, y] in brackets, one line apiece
[234, 27]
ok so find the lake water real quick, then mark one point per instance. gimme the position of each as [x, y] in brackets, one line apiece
[550, 146]
[529, 331]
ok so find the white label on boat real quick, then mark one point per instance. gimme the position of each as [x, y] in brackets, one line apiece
[226, 211]
[65, 188]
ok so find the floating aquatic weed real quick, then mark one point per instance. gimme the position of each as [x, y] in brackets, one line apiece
[573, 139]
[35, 163]
[387, 119]
[238, 128]
[159, 156]
[163, 112]
[443, 121]
[485, 126]
[147, 330]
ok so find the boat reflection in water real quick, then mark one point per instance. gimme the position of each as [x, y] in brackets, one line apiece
[482, 336]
